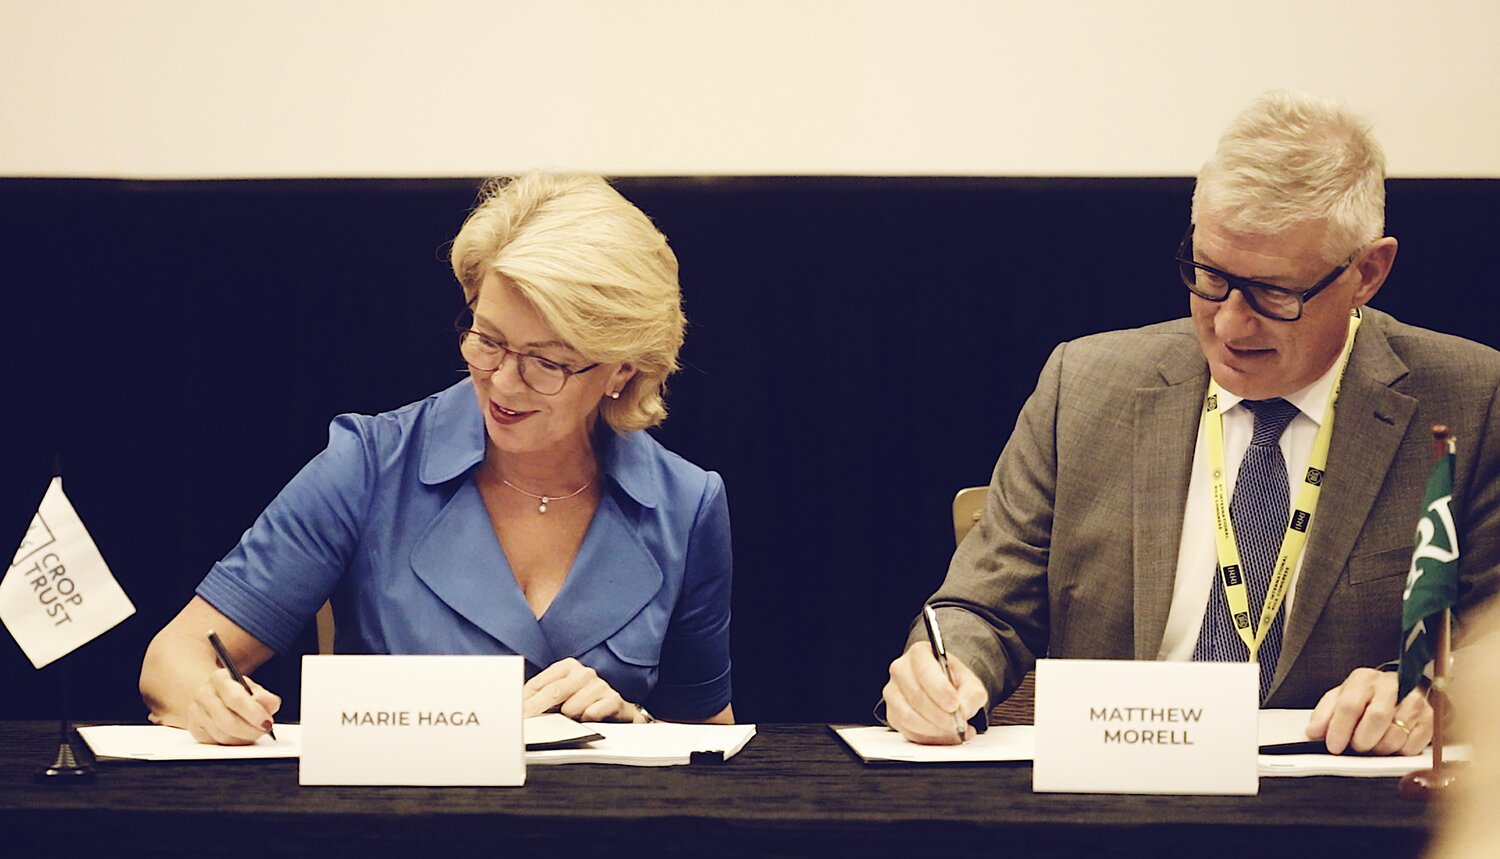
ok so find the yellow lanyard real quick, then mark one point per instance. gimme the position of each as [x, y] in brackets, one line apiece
[1231, 575]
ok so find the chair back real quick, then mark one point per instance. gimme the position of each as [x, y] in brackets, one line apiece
[968, 506]
[325, 629]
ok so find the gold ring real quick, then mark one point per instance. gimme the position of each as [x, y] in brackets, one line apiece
[1402, 725]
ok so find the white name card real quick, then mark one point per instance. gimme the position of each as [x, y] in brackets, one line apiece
[412, 720]
[1114, 726]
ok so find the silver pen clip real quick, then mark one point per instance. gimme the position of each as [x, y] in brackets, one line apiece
[939, 652]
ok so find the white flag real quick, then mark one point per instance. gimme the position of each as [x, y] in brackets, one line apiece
[58, 594]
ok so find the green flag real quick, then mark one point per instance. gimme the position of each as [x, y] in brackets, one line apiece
[1432, 582]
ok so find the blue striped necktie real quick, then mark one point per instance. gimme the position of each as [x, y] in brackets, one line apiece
[1259, 510]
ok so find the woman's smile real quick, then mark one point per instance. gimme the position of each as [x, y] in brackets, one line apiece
[508, 417]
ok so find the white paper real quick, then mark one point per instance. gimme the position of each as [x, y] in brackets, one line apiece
[879, 744]
[161, 743]
[1290, 726]
[555, 729]
[1283, 726]
[1358, 766]
[654, 744]
[58, 594]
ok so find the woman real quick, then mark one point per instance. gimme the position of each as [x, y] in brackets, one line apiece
[523, 510]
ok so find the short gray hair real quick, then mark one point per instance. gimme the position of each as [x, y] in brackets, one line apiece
[1291, 158]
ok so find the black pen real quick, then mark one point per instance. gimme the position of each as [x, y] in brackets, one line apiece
[939, 652]
[1310, 747]
[213, 638]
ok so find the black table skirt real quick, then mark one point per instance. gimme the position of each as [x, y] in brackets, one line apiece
[794, 791]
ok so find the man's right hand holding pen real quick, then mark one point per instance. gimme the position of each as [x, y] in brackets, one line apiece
[922, 703]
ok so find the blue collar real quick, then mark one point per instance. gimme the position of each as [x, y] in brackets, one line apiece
[454, 443]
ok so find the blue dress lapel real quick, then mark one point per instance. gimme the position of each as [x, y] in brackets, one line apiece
[612, 578]
[460, 559]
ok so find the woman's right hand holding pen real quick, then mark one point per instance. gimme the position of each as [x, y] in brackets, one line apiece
[187, 685]
[223, 712]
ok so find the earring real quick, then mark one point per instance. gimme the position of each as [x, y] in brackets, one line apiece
[614, 395]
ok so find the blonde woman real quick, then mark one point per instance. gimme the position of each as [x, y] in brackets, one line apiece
[522, 511]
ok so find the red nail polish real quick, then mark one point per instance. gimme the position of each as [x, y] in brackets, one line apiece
[266, 725]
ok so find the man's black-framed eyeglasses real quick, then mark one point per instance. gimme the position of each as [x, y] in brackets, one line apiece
[485, 354]
[1269, 300]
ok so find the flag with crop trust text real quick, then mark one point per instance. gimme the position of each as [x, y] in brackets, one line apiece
[1432, 581]
[58, 594]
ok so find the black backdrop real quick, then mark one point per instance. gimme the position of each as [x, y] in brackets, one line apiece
[858, 350]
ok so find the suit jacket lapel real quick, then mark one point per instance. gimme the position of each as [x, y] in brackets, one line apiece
[1370, 420]
[612, 578]
[1166, 424]
[460, 559]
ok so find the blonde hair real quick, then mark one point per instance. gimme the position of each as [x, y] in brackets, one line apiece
[1292, 158]
[596, 270]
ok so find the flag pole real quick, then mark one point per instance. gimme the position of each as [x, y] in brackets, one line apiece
[67, 765]
[1440, 666]
[1422, 784]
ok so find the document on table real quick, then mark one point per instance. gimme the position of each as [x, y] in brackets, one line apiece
[656, 744]
[556, 731]
[550, 739]
[1290, 726]
[161, 743]
[879, 744]
[1017, 743]
[1283, 726]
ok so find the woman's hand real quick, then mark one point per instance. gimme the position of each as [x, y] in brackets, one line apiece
[578, 692]
[222, 712]
[183, 686]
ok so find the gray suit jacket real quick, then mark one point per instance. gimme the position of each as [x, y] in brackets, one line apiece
[1076, 552]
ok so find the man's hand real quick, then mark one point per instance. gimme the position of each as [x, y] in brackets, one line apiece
[1361, 714]
[921, 703]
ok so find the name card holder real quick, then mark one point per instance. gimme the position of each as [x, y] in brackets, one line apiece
[1115, 726]
[412, 720]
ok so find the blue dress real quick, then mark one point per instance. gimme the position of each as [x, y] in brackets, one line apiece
[387, 523]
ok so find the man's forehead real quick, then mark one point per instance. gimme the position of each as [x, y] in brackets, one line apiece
[1249, 254]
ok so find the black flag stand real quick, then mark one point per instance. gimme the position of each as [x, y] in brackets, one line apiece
[67, 765]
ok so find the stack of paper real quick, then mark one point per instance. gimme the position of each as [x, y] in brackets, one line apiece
[657, 744]
[556, 731]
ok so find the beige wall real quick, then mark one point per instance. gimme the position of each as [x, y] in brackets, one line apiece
[201, 88]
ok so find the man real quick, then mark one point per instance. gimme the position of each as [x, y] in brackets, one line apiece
[1099, 539]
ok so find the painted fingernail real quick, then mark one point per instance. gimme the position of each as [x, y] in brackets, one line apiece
[266, 725]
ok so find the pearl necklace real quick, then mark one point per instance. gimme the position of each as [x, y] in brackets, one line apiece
[545, 499]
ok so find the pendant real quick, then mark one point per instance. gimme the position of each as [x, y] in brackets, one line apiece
[542, 508]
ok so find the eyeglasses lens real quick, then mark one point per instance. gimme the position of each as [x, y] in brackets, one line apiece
[1273, 303]
[486, 356]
